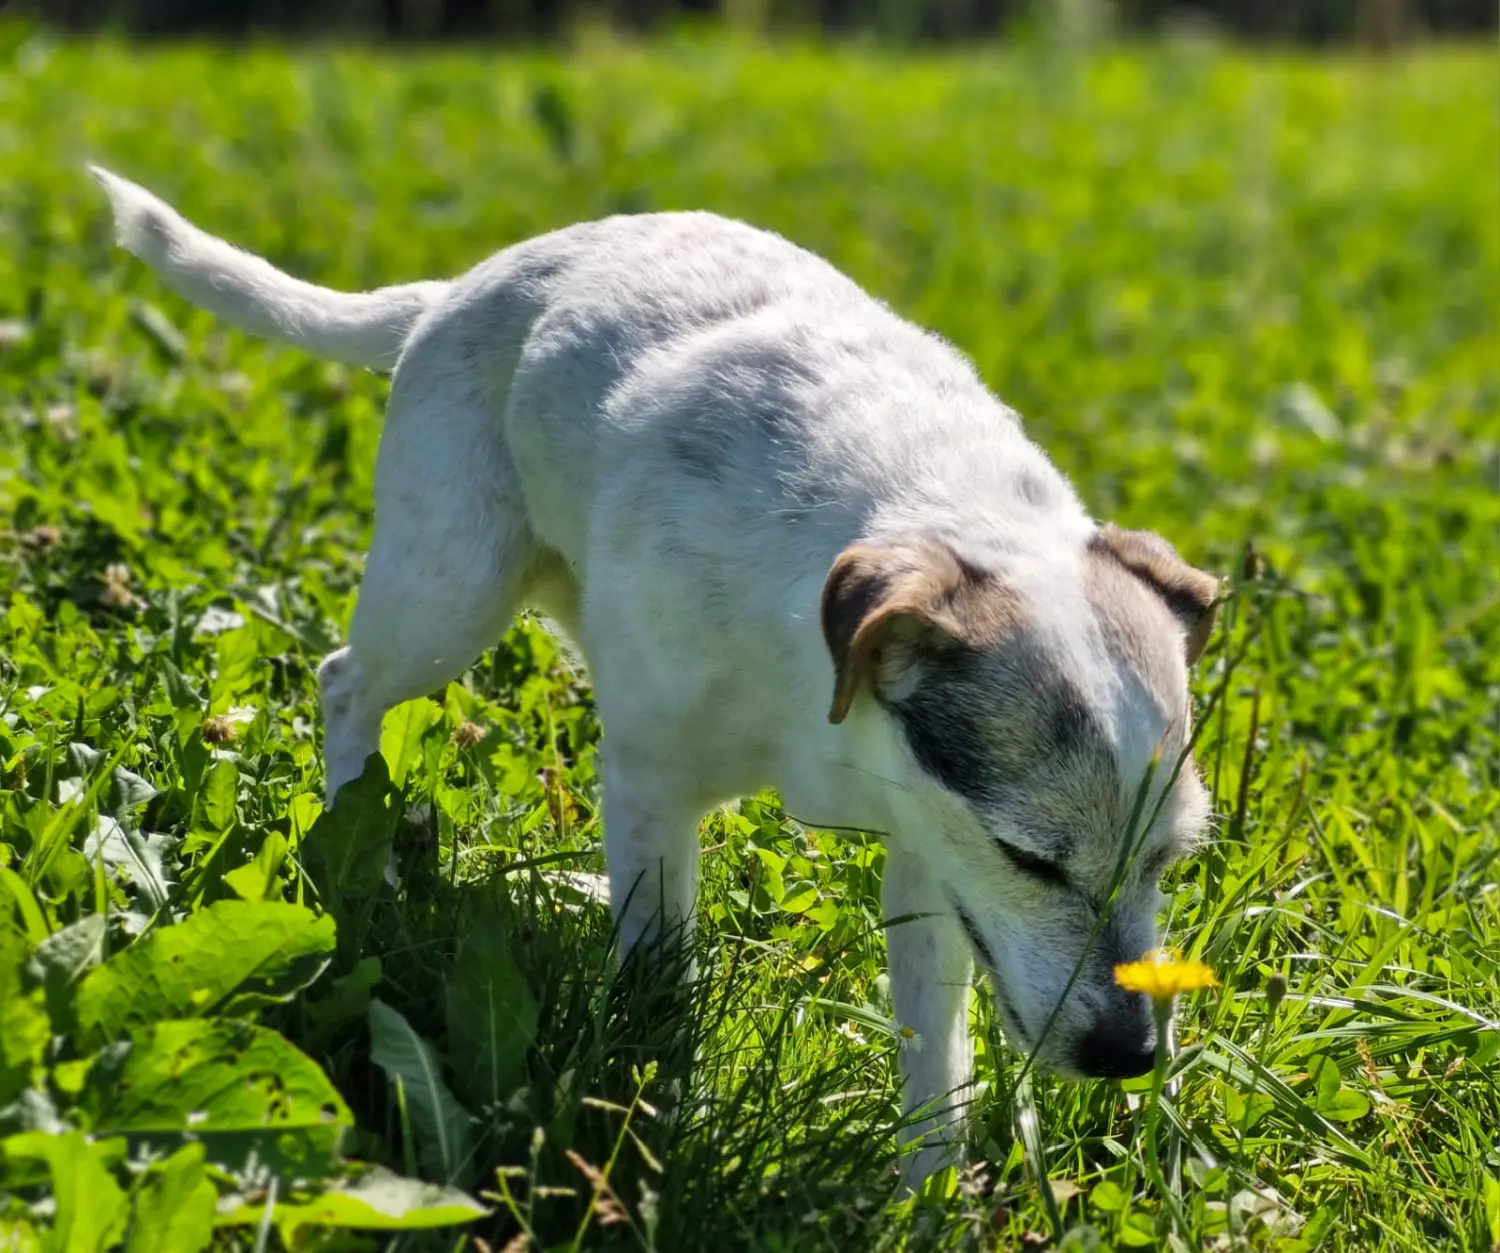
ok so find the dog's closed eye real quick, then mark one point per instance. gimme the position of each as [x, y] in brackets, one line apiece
[1037, 867]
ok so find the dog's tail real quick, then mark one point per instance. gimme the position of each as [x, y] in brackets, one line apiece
[366, 329]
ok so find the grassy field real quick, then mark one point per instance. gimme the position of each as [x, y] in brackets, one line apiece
[1248, 302]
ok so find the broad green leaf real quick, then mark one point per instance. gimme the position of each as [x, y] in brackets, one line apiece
[125, 790]
[219, 794]
[346, 852]
[24, 1029]
[769, 878]
[492, 1015]
[1108, 1196]
[799, 896]
[347, 847]
[174, 1211]
[257, 880]
[243, 1091]
[235, 655]
[1334, 1100]
[302, 812]
[825, 913]
[1243, 1112]
[401, 735]
[1326, 1080]
[230, 958]
[460, 704]
[1082, 1239]
[1345, 1105]
[140, 856]
[769, 858]
[376, 1200]
[441, 1125]
[179, 692]
[347, 1000]
[61, 960]
[1137, 1232]
[90, 1207]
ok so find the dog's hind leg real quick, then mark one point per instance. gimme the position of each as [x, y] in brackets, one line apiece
[446, 569]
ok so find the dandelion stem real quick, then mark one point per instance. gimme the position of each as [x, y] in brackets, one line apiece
[1163, 1010]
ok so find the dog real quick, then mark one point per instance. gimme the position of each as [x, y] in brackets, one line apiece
[799, 544]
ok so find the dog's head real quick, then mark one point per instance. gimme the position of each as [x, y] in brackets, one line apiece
[1027, 712]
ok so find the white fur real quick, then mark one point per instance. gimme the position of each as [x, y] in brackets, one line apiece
[366, 329]
[661, 431]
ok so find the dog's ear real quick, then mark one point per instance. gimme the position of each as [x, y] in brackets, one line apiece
[1191, 595]
[886, 607]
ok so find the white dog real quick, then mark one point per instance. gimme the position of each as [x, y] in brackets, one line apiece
[747, 489]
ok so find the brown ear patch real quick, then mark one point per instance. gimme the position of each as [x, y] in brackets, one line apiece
[919, 593]
[1189, 593]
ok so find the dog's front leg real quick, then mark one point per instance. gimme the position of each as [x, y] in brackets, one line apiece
[650, 848]
[931, 968]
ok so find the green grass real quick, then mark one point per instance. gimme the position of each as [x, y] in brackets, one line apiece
[1243, 301]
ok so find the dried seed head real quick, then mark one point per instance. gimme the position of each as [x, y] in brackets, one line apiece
[217, 730]
[117, 593]
[1275, 991]
[41, 538]
[469, 734]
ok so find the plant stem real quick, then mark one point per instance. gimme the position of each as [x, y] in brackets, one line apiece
[1163, 1009]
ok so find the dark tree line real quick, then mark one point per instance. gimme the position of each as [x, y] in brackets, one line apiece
[1380, 22]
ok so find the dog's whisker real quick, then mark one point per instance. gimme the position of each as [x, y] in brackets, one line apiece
[879, 778]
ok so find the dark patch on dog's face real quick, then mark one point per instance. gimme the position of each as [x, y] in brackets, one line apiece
[1007, 731]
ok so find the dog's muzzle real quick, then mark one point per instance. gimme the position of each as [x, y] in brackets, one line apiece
[1121, 1043]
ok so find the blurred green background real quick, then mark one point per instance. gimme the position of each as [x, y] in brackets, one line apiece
[1246, 298]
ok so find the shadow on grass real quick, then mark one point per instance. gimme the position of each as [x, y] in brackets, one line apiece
[676, 1102]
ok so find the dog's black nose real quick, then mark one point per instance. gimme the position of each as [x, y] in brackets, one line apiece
[1112, 1051]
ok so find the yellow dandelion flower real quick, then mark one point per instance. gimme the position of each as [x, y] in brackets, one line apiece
[1163, 974]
